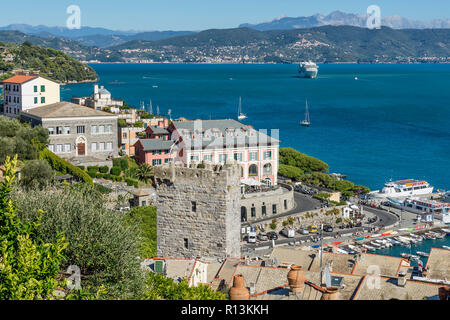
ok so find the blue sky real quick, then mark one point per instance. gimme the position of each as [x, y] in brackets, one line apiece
[201, 14]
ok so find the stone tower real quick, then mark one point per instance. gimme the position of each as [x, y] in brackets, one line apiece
[198, 211]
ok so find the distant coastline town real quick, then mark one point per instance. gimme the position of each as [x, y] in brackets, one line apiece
[212, 207]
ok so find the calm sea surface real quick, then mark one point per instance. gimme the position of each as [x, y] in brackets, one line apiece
[394, 121]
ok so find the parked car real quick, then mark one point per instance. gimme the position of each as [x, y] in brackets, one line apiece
[328, 228]
[313, 229]
[263, 237]
[272, 235]
[303, 231]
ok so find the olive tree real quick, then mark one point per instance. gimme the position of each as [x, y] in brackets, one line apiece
[104, 247]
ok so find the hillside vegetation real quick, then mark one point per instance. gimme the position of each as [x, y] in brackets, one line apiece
[47, 61]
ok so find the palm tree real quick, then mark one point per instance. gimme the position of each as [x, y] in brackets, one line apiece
[145, 172]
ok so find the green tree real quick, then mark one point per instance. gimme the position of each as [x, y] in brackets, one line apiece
[100, 243]
[37, 173]
[145, 217]
[28, 266]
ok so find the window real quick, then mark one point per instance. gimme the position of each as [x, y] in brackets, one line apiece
[59, 148]
[253, 212]
[274, 209]
[285, 205]
[194, 206]
[238, 156]
[267, 169]
[35, 100]
[59, 130]
[223, 158]
[123, 146]
[94, 146]
[51, 131]
[42, 99]
[110, 128]
[101, 129]
[194, 158]
[80, 129]
[253, 170]
[51, 147]
[101, 146]
[109, 146]
[66, 130]
[253, 156]
[42, 88]
[166, 160]
[67, 148]
[93, 129]
[186, 243]
[124, 135]
[264, 210]
[268, 155]
[207, 157]
[156, 162]
[35, 90]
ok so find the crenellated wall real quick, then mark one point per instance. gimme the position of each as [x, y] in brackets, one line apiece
[198, 211]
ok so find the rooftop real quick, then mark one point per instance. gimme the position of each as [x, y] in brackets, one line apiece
[65, 109]
[439, 264]
[156, 144]
[19, 79]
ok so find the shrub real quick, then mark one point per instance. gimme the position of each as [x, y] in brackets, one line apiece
[104, 169]
[132, 182]
[82, 167]
[338, 220]
[123, 164]
[63, 166]
[93, 168]
[116, 171]
[285, 223]
[37, 173]
[116, 162]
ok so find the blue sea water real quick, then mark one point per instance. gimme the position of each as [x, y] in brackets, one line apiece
[394, 121]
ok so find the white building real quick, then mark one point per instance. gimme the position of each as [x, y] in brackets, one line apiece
[218, 141]
[100, 99]
[25, 92]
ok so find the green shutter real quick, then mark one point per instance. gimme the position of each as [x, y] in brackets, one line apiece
[42, 88]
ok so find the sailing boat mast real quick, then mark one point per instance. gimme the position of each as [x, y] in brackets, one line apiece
[306, 122]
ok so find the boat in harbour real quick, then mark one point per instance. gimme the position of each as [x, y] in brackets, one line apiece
[403, 188]
[423, 254]
[306, 122]
[308, 69]
[241, 115]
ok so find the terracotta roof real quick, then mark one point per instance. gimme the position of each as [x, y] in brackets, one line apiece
[19, 79]
[65, 110]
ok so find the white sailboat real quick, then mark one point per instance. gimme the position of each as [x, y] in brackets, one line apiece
[306, 122]
[241, 116]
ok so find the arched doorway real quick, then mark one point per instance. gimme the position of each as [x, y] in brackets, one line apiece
[243, 214]
[268, 182]
[81, 146]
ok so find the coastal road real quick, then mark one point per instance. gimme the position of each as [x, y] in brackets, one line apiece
[303, 203]
[384, 219]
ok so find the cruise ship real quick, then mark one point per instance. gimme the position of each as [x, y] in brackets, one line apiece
[403, 188]
[308, 70]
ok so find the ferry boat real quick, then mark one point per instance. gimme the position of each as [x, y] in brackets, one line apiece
[422, 206]
[403, 188]
[308, 70]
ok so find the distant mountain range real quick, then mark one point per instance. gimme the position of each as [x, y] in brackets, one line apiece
[348, 19]
[95, 37]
